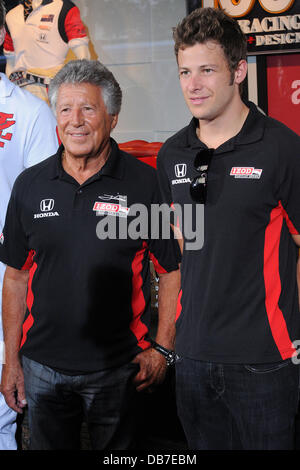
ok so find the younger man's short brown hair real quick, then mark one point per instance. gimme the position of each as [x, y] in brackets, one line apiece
[212, 24]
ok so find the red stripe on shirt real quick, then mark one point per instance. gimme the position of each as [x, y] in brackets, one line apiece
[273, 284]
[30, 299]
[179, 306]
[29, 261]
[138, 302]
[158, 268]
[289, 223]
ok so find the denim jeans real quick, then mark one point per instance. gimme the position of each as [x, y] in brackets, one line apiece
[230, 406]
[58, 403]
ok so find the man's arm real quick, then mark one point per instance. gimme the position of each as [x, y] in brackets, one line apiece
[75, 32]
[13, 311]
[152, 363]
[296, 239]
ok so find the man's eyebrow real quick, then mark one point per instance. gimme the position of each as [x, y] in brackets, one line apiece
[203, 66]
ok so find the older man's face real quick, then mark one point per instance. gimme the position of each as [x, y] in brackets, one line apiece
[83, 123]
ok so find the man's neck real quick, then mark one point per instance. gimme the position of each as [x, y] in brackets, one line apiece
[83, 168]
[215, 132]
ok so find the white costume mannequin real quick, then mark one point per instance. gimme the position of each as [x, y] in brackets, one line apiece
[39, 34]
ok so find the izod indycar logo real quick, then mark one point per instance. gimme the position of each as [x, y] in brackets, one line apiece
[108, 208]
[245, 172]
[1, 238]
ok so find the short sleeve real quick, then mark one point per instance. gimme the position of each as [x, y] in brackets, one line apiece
[14, 250]
[289, 192]
[163, 246]
[163, 180]
[74, 27]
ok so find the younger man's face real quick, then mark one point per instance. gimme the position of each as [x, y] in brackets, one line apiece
[207, 83]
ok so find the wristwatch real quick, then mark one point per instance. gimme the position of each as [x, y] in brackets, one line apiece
[170, 356]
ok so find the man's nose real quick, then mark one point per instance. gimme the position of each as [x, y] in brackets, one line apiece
[195, 82]
[77, 117]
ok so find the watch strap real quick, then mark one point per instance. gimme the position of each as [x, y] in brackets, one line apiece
[170, 355]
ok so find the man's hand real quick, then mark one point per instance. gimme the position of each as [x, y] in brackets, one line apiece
[152, 371]
[12, 387]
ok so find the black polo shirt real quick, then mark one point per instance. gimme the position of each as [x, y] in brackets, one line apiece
[239, 299]
[88, 302]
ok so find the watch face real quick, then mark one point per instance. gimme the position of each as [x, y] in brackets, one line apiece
[171, 358]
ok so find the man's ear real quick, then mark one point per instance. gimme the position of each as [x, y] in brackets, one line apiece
[241, 72]
[2, 35]
[114, 121]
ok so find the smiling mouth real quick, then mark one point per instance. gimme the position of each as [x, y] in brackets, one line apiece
[78, 134]
[198, 99]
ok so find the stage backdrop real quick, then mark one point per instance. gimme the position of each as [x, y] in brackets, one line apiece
[270, 25]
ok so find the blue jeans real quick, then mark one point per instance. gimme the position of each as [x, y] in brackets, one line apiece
[232, 406]
[58, 403]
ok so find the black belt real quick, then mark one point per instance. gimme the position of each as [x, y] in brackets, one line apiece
[23, 79]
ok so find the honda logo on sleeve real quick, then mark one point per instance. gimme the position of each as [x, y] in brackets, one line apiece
[180, 170]
[47, 205]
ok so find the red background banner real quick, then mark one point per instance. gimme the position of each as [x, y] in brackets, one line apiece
[283, 76]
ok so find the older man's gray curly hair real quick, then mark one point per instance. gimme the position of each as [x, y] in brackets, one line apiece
[88, 71]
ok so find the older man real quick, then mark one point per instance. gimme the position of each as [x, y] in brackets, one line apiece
[84, 344]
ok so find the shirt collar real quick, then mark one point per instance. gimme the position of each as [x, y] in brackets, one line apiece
[252, 131]
[44, 2]
[6, 86]
[253, 128]
[114, 167]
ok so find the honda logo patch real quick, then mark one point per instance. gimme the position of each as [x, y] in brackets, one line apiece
[180, 170]
[47, 205]
[46, 208]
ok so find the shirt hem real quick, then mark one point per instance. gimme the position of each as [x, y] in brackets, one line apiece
[75, 372]
[261, 359]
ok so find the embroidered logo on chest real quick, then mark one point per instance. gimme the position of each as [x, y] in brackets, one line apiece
[46, 208]
[180, 172]
[247, 172]
[108, 208]
[46, 22]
